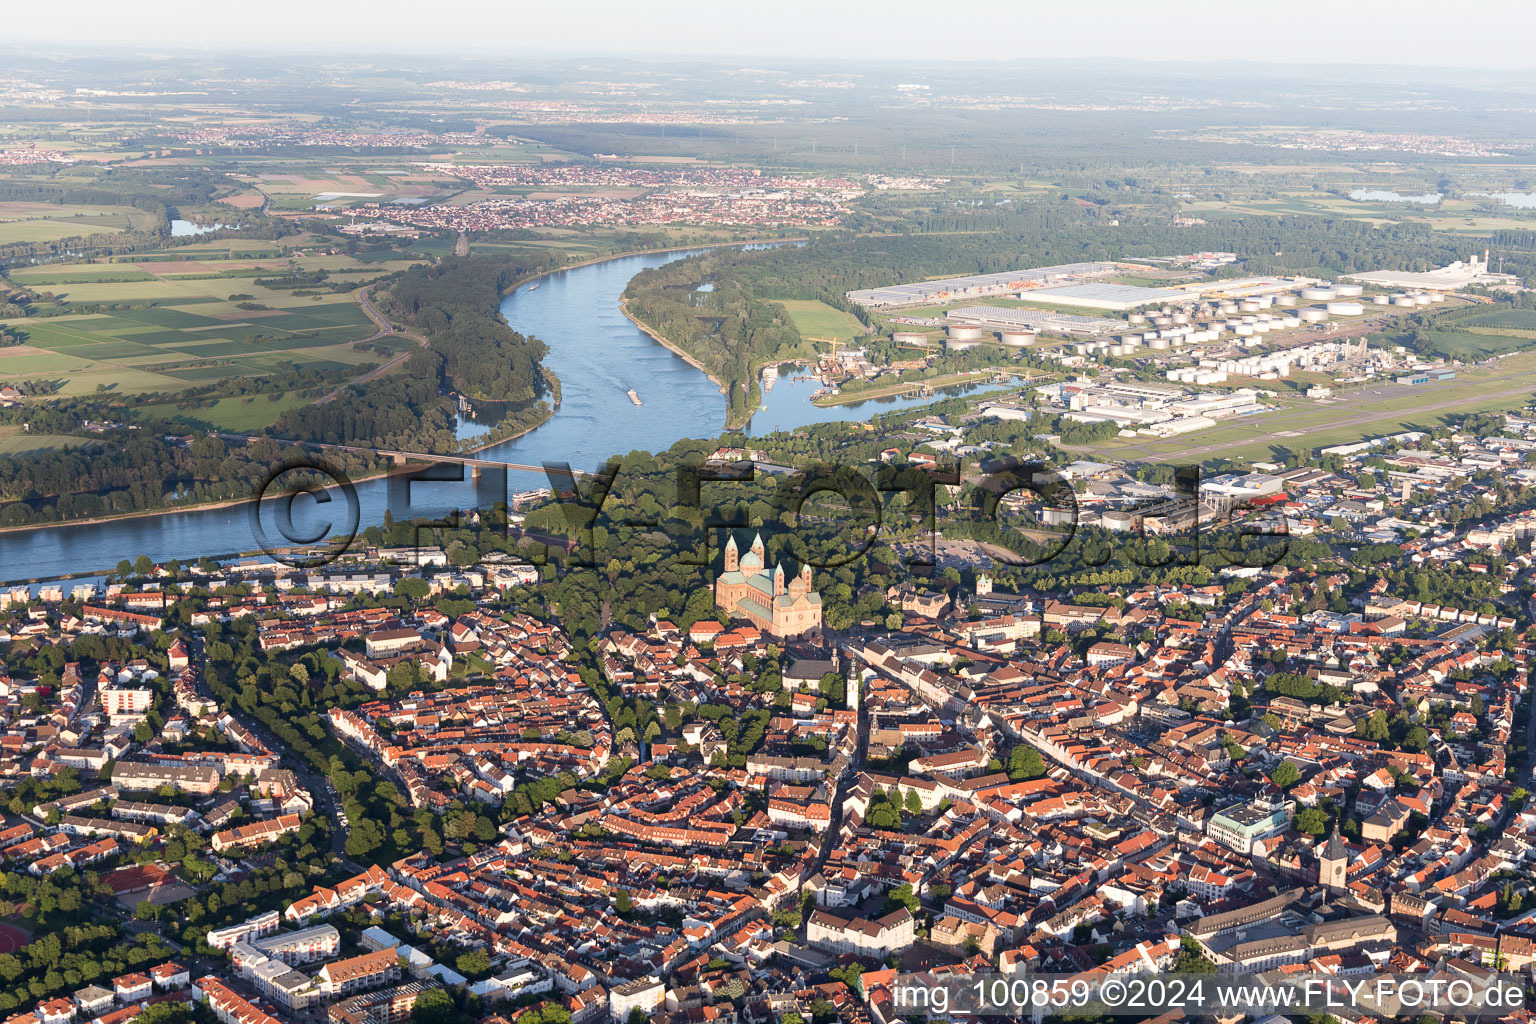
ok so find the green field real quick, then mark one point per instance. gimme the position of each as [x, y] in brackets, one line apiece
[15, 441]
[44, 222]
[237, 415]
[818, 321]
[1468, 215]
[166, 348]
[1303, 423]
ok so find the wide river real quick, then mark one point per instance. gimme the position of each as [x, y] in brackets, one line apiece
[597, 353]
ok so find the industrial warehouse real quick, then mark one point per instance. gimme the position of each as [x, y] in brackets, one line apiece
[1102, 295]
[979, 286]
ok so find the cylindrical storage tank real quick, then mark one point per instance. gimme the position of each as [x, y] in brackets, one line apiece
[1137, 318]
[1118, 519]
[1421, 300]
[954, 344]
[1264, 301]
[1249, 306]
[1181, 318]
[1285, 300]
[1159, 343]
[1311, 315]
[1404, 300]
[1290, 321]
[964, 332]
[1244, 330]
[1348, 291]
[1318, 293]
[1436, 296]
[1345, 308]
[1381, 300]
[1117, 350]
[1017, 339]
[910, 338]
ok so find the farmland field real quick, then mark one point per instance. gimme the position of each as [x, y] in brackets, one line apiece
[168, 347]
[48, 222]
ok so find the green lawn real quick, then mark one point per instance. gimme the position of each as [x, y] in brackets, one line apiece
[13, 441]
[818, 321]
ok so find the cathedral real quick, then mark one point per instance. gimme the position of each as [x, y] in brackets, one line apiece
[748, 590]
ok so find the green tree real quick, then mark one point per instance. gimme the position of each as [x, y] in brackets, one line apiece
[1285, 775]
[434, 1006]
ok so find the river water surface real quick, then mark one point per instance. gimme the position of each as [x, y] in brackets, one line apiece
[597, 353]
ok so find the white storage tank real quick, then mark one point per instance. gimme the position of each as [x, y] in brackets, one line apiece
[1160, 344]
[1381, 300]
[1137, 318]
[1017, 339]
[1317, 293]
[1404, 300]
[1311, 315]
[954, 344]
[1290, 321]
[1436, 296]
[1244, 330]
[1285, 300]
[964, 332]
[1249, 306]
[1421, 300]
[1345, 308]
[1348, 291]
[910, 338]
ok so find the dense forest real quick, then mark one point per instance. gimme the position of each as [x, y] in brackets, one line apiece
[136, 471]
[729, 328]
[455, 304]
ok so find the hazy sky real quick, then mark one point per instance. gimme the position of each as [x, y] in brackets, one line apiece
[1488, 34]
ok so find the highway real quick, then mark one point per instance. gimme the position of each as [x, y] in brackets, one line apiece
[384, 327]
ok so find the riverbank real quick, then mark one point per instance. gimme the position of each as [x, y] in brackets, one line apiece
[649, 252]
[48, 547]
[889, 390]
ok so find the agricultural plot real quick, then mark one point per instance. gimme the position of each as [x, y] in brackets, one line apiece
[22, 222]
[167, 348]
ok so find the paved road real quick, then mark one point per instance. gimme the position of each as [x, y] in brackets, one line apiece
[318, 785]
[384, 327]
[461, 247]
